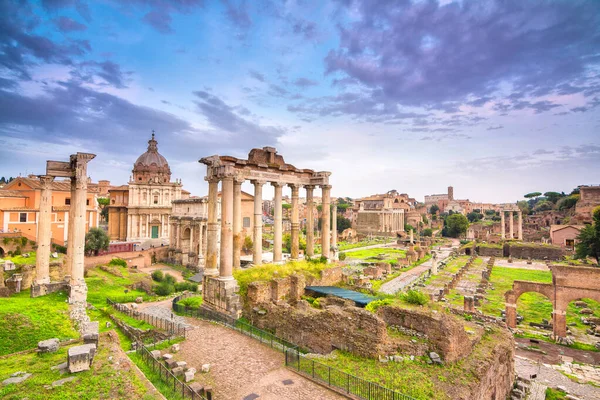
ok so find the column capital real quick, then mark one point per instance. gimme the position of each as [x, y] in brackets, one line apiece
[212, 179]
[258, 182]
[294, 186]
[46, 181]
[238, 179]
[325, 186]
[309, 187]
[277, 184]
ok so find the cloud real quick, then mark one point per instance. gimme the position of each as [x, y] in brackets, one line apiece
[65, 25]
[494, 128]
[425, 54]
[159, 20]
[305, 82]
[238, 14]
[256, 75]
[109, 71]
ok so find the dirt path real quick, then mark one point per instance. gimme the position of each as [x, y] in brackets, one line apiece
[240, 367]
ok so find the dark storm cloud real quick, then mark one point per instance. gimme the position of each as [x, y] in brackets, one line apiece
[424, 54]
[20, 48]
[227, 119]
[65, 25]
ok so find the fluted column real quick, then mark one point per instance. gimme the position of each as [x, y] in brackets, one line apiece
[502, 225]
[511, 223]
[226, 260]
[237, 221]
[295, 247]
[201, 250]
[212, 229]
[325, 231]
[44, 233]
[257, 256]
[310, 222]
[520, 214]
[71, 230]
[278, 221]
[334, 226]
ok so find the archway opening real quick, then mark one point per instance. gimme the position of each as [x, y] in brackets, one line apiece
[534, 313]
[1, 252]
[185, 240]
[583, 319]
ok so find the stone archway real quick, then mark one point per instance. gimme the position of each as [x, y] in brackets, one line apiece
[2, 252]
[185, 240]
[520, 287]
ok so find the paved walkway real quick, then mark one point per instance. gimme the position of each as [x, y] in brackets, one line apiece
[405, 279]
[546, 375]
[240, 367]
[537, 391]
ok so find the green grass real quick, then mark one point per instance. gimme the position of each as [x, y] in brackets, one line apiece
[104, 381]
[103, 285]
[135, 323]
[25, 321]
[554, 394]
[342, 246]
[267, 272]
[370, 255]
[192, 302]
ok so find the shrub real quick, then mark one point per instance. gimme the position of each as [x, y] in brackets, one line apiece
[342, 256]
[164, 289]
[427, 232]
[158, 276]
[415, 297]
[181, 286]
[374, 305]
[393, 262]
[24, 241]
[118, 262]
[6, 240]
[192, 302]
[170, 279]
[17, 252]
[59, 249]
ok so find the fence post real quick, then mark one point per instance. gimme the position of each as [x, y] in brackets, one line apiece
[348, 383]
[329, 377]
[313, 369]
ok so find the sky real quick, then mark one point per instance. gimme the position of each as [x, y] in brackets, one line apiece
[496, 98]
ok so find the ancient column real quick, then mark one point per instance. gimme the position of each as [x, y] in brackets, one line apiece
[79, 187]
[325, 231]
[502, 225]
[201, 250]
[278, 221]
[310, 222]
[511, 315]
[559, 323]
[237, 221]
[511, 223]
[71, 231]
[44, 233]
[520, 227]
[295, 247]
[226, 265]
[334, 226]
[257, 256]
[412, 236]
[212, 229]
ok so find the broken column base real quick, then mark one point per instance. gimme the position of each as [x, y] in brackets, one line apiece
[222, 296]
[81, 357]
[78, 302]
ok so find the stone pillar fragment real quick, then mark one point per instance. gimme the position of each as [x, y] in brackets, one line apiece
[310, 222]
[520, 232]
[295, 247]
[502, 225]
[211, 268]
[511, 223]
[257, 256]
[44, 232]
[237, 221]
[325, 222]
[278, 221]
[226, 259]
[511, 315]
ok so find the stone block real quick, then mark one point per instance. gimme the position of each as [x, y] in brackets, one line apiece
[90, 327]
[139, 300]
[167, 356]
[181, 364]
[175, 348]
[197, 388]
[156, 354]
[48, 346]
[80, 357]
[90, 338]
[191, 369]
[189, 376]
[177, 371]
[15, 378]
[171, 363]
[205, 368]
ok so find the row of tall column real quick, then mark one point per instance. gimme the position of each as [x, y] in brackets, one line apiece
[511, 222]
[231, 224]
[392, 222]
[76, 169]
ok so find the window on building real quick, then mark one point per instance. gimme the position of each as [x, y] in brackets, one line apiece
[22, 217]
[67, 202]
[246, 222]
[155, 199]
[87, 202]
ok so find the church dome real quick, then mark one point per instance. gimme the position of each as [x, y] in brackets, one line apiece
[151, 166]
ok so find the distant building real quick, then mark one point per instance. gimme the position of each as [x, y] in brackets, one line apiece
[589, 198]
[382, 214]
[565, 235]
[20, 202]
[140, 210]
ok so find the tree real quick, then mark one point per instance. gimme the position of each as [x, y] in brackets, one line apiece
[343, 223]
[532, 195]
[287, 243]
[427, 232]
[474, 216]
[553, 196]
[456, 225]
[95, 240]
[248, 244]
[524, 206]
[566, 203]
[434, 209]
[589, 239]
[543, 206]
[408, 228]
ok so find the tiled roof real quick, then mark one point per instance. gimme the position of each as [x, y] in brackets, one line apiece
[57, 186]
[11, 193]
[122, 187]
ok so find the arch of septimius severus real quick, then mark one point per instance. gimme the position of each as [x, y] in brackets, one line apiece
[262, 166]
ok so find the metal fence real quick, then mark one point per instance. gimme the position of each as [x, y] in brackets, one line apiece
[340, 380]
[172, 327]
[264, 337]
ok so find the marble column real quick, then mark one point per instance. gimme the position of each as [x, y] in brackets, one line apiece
[502, 225]
[44, 233]
[520, 232]
[334, 226]
[71, 231]
[212, 229]
[325, 223]
[295, 246]
[511, 224]
[226, 262]
[277, 224]
[79, 188]
[201, 250]
[257, 256]
[310, 222]
[237, 221]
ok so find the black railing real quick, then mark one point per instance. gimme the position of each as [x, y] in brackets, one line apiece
[249, 330]
[340, 380]
[173, 328]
